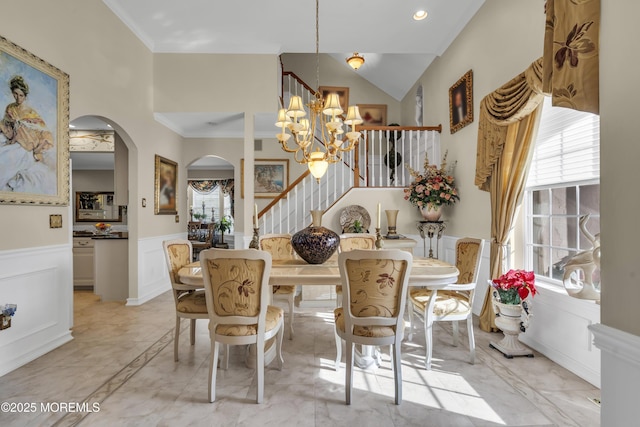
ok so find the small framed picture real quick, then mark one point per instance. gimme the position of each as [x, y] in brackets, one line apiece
[373, 114]
[166, 186]
[270, 177]
[343, 94]
[461, 102]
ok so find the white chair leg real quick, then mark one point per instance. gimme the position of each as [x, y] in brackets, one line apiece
[410, 310]
[397, 371]
[338, 350]
[349, 372]
[260, 370]
[176, 339]
[193, 332]
[472, 342]
[456, 332]
[279, 346]
[227, 349]
[291, 301]
[213, 363]
[428, 337]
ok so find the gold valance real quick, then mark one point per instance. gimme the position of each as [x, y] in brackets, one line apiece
[506, 105]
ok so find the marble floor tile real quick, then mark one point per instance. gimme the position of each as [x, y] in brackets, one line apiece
[122, 357]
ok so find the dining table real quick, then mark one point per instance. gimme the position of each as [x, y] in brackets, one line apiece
[431, 273]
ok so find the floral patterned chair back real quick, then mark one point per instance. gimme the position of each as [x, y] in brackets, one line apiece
[468, 259]
[178, 254]
[278, 245]
[351, 241]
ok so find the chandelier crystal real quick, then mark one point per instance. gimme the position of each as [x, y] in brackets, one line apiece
[317, 150]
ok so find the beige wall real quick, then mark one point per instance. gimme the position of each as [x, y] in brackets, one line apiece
[501, 40]
[333, 73]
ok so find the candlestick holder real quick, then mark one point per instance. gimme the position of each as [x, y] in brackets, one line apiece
[255, 241]
[379, 241]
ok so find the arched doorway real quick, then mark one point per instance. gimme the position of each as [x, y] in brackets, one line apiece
[102, 154]
[211, 197]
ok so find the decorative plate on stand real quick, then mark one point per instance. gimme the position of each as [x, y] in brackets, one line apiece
[354, 213]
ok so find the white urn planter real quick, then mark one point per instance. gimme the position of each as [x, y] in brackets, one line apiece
[512, 319]
[430, 212]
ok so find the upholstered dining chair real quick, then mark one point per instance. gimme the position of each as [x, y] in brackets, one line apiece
[452, 303]
[190, 303]
[373, 301]
[349, 242]
[279, 246]
[236, 286]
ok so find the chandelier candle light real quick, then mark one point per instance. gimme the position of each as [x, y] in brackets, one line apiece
[325, 118]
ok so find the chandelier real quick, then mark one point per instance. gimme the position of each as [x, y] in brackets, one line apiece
[318, 150]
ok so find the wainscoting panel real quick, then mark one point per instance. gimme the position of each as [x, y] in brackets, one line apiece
[40, 282]
[153, 278]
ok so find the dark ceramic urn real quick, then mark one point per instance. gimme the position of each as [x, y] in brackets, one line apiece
[315, 244]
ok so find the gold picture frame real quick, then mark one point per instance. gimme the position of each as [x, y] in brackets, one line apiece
[461, 102]
[34, 141]
[343, 94]
[270, 177]
[165, 186]
[373, 114]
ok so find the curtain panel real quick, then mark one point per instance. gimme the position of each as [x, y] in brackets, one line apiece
[509, 119]
[571, 54]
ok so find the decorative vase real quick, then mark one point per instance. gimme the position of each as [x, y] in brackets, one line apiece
[511, 319]
[392, 219]
[430, 212]
[315, 244]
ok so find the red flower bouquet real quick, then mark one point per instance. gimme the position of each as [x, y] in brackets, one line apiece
[515, 285]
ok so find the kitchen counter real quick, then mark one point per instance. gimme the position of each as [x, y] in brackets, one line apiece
[114, 235]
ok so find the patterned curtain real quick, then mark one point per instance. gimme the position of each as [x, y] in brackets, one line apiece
[571, 54]
[206, 186]
[509, 118]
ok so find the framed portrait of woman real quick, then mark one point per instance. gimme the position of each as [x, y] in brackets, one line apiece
[166, 186]
[34, 129]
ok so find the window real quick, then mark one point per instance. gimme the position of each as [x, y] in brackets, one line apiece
[204, 204]
[563, 185]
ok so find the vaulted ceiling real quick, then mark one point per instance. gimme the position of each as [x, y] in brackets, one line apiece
[397, 48]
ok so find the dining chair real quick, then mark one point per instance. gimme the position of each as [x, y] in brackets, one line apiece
[190, 303]
[205, 239]
[351, 241]
[236, 286]
[279, 246]
[453, 302]
[193, 230]
[373, 301]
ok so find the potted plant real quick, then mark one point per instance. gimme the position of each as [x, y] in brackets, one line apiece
[357, 226]
[223, 225]
[510, 292]
[432, 189]
[200, 216]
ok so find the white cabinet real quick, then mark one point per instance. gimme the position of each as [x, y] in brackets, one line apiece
[112, 269]
[83, 263]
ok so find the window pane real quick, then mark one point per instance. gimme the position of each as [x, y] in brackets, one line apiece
[540, 231]
[559, 258]
[541, 202]
[541, 260]
[563, 201]
[593, 227]
[564, 232]
[589, 199]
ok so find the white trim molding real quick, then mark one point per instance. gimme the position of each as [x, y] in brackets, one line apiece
[40, 281]
[620, 375]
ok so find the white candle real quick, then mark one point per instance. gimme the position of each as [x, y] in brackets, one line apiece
[255, 215]
[378, 223]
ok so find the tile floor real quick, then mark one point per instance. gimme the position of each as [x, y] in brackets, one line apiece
[121, 361]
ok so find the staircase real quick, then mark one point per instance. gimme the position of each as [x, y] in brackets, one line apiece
[378, 161]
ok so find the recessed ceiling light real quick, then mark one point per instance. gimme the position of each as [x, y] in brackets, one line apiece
[420, 15]
[108, 125]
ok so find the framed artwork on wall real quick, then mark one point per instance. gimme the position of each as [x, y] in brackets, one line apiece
[373, 114]
[343, 94]
[270, 177]
[34, 129]
[461, 102]
[165, 186]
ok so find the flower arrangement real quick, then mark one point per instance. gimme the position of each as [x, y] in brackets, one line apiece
[515, 285]
[434, 187]
[6, 313]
